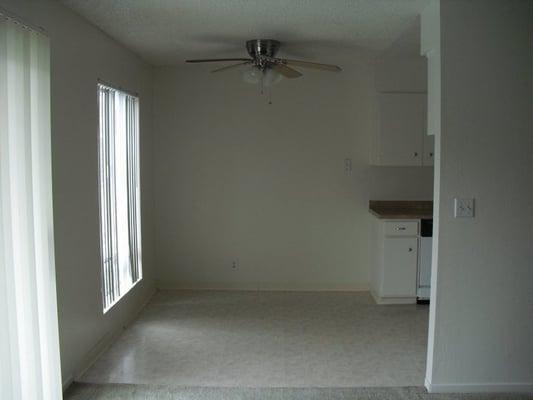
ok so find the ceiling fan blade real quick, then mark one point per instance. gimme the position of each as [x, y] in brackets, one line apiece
[217, 60]
[286, 71]
[230, 66]
[307, 64]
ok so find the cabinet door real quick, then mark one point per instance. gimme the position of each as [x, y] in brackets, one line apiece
[400, 267]
[429, 150]
[402, 120]
[434, 93]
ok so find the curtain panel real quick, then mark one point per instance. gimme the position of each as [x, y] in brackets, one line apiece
[29, 340]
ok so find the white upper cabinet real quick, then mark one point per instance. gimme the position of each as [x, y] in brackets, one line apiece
[402, 139]
[429, 150]
[433, 124]
[430, 48]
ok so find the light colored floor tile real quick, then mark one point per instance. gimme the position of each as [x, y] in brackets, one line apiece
[269, 339]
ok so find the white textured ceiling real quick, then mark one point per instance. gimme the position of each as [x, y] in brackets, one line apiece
[166, 32]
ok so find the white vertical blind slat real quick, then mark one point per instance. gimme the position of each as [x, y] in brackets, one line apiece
[43, 215]
[29, 353]
[120, 222]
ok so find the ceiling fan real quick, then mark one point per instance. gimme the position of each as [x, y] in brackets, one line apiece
[266, 68]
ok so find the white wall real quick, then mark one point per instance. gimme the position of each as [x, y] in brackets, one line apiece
[396, 73]
[483, 322]
[79, 55]
[236, 177]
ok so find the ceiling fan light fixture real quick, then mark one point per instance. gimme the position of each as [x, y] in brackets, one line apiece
[252, 75]
[271, 77]
[263, 67]
[268, 77]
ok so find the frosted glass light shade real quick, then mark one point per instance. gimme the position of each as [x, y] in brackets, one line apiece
[254, 75]
[271, 77]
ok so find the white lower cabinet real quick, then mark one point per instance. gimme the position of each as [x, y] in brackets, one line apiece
[394, 277]
[399, 267]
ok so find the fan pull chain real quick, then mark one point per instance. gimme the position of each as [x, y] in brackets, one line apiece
[268, 89]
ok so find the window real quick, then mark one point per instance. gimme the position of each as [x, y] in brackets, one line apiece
[120, 216]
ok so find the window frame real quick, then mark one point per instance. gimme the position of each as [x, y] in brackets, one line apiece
[120, 294]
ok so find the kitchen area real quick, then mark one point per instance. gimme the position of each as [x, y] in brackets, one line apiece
[402, 246]
[402, 218]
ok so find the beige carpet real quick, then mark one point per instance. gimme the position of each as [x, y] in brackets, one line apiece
[269, 339]
[148, 392]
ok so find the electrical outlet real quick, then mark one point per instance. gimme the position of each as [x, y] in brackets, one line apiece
[347, 166]
[235, 264]
[463, 208]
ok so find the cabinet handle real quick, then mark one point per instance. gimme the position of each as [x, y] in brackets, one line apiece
[431, 154]
[416, 154]
[401, 228]
[410, 249]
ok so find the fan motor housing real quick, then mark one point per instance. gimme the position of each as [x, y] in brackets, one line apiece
[262, 47]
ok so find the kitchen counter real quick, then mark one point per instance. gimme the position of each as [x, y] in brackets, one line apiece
[410, 209]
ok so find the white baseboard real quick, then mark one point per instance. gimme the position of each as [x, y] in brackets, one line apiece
[260, 288]
[392, 300]
[479, 387]
[67, 382]
[104, 344]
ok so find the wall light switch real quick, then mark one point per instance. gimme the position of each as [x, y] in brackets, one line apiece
[347, 166]
[463, 208]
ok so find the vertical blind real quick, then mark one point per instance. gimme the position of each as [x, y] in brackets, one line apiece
[120, 219]
[29, 338]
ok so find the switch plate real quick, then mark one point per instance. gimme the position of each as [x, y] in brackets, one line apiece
[463, 208]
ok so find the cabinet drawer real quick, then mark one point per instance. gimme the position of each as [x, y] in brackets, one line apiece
[401, 228]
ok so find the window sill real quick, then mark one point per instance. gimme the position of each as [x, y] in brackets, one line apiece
[121, 296]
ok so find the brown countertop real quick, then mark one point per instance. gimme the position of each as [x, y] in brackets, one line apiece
[404, 209]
